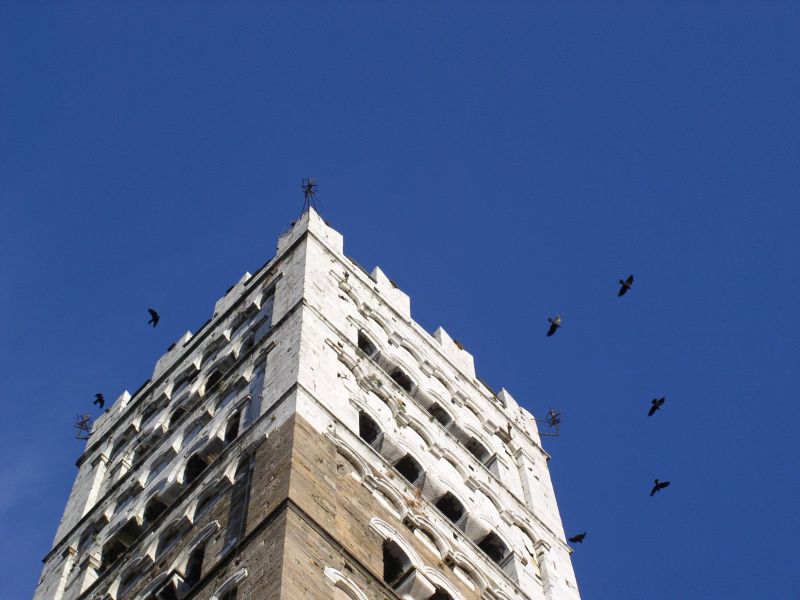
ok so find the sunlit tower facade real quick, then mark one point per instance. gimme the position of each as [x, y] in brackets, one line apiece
[311, 441]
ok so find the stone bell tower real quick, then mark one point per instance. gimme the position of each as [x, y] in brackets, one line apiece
[311, 441]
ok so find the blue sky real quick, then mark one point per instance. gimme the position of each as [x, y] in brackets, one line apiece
[502, 162]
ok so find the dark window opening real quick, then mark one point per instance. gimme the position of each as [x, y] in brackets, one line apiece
[494, 547]
[176, 416]
[140, 452]
[366, 346]
[167, 592]
[111, 552]
[439, 414]
[401, 379]
[396, 565]
[119, 544]
[194, 468]
[213, 379]
[232, 430]
[154, 509]
[451, 507]
[194, 567]
[477, 449]
[368, 429]
[409, 468]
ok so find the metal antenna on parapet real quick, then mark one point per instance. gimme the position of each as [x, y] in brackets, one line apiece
[553, 420]
[309, 191]
[83, 424]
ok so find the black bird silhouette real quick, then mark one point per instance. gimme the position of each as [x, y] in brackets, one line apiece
[626, 285]
[99, 400]
[577, 539]
[659, 485]
[154, 318]
[656, 402]
[554, 325]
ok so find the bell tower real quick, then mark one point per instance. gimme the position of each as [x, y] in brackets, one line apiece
[311, 441]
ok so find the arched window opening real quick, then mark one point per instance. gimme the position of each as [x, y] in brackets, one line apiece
[194, 567]
[494, 548]
[141, 450]
[232, 429]
[111, 552]
[401, 379]
[119, 543]
[194, 468]
[451, 507]
[366, 346]
[127, 581]
[477, 449]
[213, 379]
[396, 565]
[439, 414]
[410, 469]
[176, 416]
[168, 540]
[149, 413]
[154, 509]
[122, 441]
[369, 431]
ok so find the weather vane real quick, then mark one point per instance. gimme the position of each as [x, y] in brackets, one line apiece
[83, 423]
[553, 419]
[309, 191]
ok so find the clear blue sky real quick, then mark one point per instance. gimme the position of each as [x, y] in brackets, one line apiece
[502, 162]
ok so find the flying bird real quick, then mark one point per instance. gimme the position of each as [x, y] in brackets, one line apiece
[626, 285]
[577, 539]
[99, 400]
[659, 485]
[154, 317]
[554, 325]
[656, 402]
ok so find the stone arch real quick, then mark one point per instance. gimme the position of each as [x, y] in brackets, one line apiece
[440, 581]
[201, 538]
[421, 430]
[439, 540]
[390, 496]
[345, 584]
[230, 583]
[387, 532]
[456, 462]
[371, 315]
[353, 457]
[183, 381]
[469, 568]
[487, 491]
